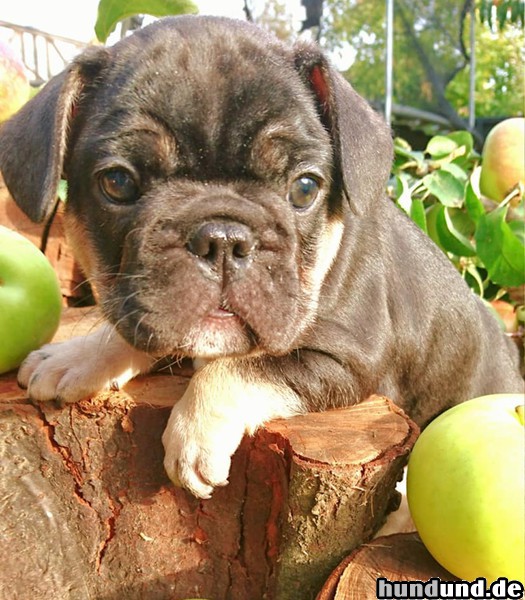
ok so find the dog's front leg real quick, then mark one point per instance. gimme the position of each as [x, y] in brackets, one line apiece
[71, 370]
[224, 400]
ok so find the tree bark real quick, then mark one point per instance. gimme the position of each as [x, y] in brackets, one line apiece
[88, 513]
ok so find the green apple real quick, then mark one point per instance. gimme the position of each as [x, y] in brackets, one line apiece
[503, 165]
[466, 488]
[14, 85]
[30, 299]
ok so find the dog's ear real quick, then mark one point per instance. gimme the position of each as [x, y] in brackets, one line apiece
[33, 143]
[362, 140]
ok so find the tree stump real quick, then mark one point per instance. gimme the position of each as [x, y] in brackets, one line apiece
[88, 512]
[398, 557]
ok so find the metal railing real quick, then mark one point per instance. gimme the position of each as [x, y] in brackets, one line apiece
[42, 53]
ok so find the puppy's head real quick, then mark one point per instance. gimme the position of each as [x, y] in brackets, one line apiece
[210, 172]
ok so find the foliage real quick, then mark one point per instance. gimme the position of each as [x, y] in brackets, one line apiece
[275, 17]
[501, 12]
[439, 189]
[110, 12]
[431, 55]
[418, 28]
[499, 74]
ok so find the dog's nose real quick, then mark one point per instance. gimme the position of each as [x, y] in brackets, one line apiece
[223, 244]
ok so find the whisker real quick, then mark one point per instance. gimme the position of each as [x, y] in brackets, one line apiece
[175, 361]
[137, 327]
[149, 342]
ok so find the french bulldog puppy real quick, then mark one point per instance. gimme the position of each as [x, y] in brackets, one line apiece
[226, 199]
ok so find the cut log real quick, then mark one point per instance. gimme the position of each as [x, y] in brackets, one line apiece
[88, 512]
[398, 557]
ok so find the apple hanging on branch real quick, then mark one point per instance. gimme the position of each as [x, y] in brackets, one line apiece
[30, 299]
[14, 85]
[503, 166]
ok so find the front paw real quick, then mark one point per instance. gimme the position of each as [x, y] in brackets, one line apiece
[199, 448]
[80, 367]
[225, 399]
[56, 372]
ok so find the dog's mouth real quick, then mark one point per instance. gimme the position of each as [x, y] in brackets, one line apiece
[221, 332]
[220, 314]
[225, 325]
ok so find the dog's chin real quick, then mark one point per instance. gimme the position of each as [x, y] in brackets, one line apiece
[221, 333]
[218, 333]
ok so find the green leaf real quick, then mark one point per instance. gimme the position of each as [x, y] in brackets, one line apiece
[405, 159]
[403, 196]
[417, 214]
[457, 147]
[456, 171]
[110, 12]
[446, 186]
[453, 229]
[517, 11]
[483, 12]
[431, 215]
[501, 12]
[474, 280]
[518, 229]
[440, 146]
[463, 138]
[500, 249]
[401, 144]
[473, 203]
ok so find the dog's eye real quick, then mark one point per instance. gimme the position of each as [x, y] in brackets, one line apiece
[119, 186]
[303, 191]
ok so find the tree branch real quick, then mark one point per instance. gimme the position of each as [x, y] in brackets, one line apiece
[248, 11]
[436, 80]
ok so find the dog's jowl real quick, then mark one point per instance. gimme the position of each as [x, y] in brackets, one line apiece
[226, 199]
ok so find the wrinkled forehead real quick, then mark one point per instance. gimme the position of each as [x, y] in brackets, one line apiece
[212, 71]
[214, 92]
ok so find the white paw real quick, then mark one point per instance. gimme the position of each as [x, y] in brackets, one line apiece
[223, 401]
[77, 368]
[199, 448]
